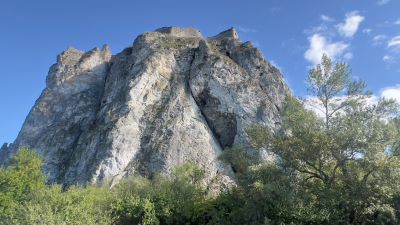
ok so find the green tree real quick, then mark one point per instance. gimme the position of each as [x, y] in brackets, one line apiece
[240, 159]
[345, 160]
[178, 198]
[75, 206]
[21, 179]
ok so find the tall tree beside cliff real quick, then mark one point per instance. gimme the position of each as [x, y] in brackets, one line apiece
[347, 158]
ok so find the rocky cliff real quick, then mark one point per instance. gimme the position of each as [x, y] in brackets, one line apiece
[172, 97]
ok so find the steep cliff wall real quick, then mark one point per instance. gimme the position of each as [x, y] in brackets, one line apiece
[170, 98]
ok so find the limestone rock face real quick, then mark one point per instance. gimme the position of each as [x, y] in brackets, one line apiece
[170, 98]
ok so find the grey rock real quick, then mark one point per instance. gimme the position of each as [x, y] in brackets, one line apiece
[180, 32]
[4, 147]
[170, 98]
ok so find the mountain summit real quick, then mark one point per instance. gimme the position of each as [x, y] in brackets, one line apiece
[172, 97]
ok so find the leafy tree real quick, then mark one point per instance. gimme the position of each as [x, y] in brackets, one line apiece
[76, 206]
[345, 160]
[240, 158]
[20, 180]
[179, 198]
[269, 195]
[25, 199]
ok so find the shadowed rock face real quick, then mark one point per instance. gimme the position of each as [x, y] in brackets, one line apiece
[223, 124]
[170, 98]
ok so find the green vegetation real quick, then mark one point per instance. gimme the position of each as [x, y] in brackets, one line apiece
[347, 164]
[339, 168]
[22, 178]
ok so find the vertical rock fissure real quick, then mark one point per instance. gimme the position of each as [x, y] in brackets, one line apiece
[222, 125]
[197, 104]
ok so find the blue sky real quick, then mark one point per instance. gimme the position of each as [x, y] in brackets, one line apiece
[291, 34]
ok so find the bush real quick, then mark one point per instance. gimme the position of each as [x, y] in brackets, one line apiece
[178, 198]
[239, 158]
[20, 180]
[77, 205]
[174, 199]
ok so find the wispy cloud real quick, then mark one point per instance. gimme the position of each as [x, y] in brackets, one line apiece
[326, 18]
[392, 55]
[397, 22]
[394, 42]
[387, 58]
[382, 2]
[379, 39]
[246, 30]
[319, 45]
[321, 29]
[350, 25]
[348, 56]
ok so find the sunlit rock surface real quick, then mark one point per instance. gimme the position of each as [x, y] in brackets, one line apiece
[172, 97]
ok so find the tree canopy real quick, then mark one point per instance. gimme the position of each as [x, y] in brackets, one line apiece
[346, 159]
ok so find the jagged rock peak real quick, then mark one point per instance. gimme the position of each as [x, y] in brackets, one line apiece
[72, 55]
[69, 56]
[106, 49]
[180, 32]
[73, 62]
[230, 33]
[170, 98]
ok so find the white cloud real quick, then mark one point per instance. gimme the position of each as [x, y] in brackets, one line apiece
[395, 41]
[382, 2]
[391, 93]
[319, 45]
[327, 18]
[397, 22]
[379, 39]
[392, 55]
[322, 29]
[312, 102]
[350, 25]
[387, 58]
[348, 56]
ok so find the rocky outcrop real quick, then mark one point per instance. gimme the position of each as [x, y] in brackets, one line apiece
[172, 97]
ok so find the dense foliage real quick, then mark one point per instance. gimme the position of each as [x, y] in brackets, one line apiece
[341, 166]
[25, 199]
[346, 162]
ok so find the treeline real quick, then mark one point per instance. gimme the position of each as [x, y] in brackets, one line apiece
[341, 166]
